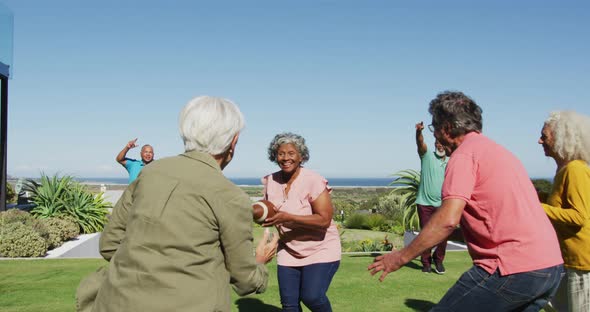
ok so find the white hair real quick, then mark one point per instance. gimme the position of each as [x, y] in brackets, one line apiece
[571, 135]
[208, 124]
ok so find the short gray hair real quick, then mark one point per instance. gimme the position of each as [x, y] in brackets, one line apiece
[571, 135]
[288, 138]
[208, 124]
[458, 110]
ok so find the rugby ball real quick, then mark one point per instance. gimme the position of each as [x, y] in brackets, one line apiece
[261, 210]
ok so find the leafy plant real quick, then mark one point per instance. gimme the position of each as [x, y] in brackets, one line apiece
[543, 188]
[356, 221]
[10, 194]
[19, 240]
[48, 195]
[62, 196]
[88, 210]
[375, 222]
[406, 184]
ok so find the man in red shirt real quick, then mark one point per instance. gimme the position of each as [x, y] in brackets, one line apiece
[517, 263]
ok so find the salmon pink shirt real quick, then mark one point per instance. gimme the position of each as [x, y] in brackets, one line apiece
[503, 222]
[302, 246]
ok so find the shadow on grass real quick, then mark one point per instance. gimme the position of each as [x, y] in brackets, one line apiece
[255, 305]
[419, 305]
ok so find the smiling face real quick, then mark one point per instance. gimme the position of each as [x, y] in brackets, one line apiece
[547, 141]
[439, 149]
[147, 154]
[288, 158]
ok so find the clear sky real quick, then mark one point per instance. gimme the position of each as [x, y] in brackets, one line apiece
[352, 77]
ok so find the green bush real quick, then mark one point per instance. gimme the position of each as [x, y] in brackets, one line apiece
[19, 240]
[15, 215]
[367, 245]
[89, 211]
[348, 206]
[71, 228]
[356, 221]
[543, 188]
[55, 228]
[18, 216]
[57, 197]
[375, 222]
[10, 194]
[406, 184]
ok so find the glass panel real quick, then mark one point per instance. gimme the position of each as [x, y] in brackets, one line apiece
[6, 35]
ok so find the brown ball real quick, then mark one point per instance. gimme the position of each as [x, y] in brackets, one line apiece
[261, 210]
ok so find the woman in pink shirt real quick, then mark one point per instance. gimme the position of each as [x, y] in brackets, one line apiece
[309, 246]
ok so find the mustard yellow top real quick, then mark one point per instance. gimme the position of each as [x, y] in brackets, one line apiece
[568, 208]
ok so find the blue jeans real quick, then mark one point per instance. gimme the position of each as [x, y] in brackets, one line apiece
[477, 290]
[308, 284]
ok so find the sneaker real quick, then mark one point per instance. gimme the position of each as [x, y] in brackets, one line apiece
[439, 268]
[426, 269]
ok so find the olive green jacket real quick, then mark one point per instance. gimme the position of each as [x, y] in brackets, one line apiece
[177, 238]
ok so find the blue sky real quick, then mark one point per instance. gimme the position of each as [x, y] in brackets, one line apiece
[352, 77]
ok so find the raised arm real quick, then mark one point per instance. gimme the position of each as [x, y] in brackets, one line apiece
[121, 156]
[422, 149]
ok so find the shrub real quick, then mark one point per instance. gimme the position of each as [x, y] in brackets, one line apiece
[55, 228]
[60, 230]
[19, 240]
[406, 185]
[375, 222]
[348, 206]
[543, 188]
[57, 197]
[356, 221]
[71, 228]
[89, 211]
[15, 215]
[10, 194]
[18, 216]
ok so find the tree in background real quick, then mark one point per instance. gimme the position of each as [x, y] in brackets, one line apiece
[543, 187]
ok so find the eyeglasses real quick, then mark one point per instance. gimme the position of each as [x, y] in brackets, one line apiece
[431, 128]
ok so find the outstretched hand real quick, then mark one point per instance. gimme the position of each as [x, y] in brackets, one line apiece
[387, 263]
[420, 126]
[266, 249]
[131, 144]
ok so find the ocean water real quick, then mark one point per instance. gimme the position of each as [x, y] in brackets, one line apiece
[364, 182]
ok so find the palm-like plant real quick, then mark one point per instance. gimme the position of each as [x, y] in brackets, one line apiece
[89, 211]
[63, 196]
[406, 184]
[48, 194]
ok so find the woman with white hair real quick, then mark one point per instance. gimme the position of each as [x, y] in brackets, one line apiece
[182, 232]
[565, 137]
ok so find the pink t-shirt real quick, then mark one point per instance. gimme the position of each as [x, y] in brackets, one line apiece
[503, 222]
[308, 246]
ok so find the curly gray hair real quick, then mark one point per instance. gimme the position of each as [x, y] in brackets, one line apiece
[288, 138]
[571, 135]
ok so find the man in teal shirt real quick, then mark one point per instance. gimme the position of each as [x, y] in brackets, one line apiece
[134, 166]
[428, 198]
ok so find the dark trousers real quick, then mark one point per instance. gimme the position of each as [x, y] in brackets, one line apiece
[424, 214]
[478, 290]
[307, 284]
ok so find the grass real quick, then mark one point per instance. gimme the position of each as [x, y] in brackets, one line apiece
[50, 285]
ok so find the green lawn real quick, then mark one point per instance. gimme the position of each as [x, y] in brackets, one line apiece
[49, 285]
